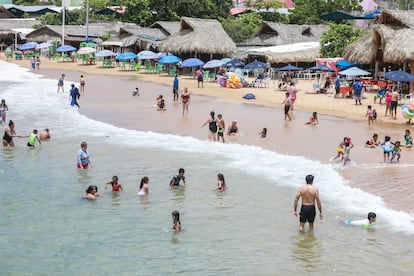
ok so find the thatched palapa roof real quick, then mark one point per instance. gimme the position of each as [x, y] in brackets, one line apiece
[167, 27]
[391, 41]
[271, 33]
[199, 36]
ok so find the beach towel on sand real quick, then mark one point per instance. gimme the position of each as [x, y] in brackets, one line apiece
[249, 96]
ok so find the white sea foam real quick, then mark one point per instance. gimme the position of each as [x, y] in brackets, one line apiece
[35, 103]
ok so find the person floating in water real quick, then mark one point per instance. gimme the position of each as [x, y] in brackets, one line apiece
[221, 183]
[309, 195]
[313, 120]
[176, 221]
[116, 186]
[31, 142]
[143, 187]
[366, 223]
[92, 192]
[44, 135]
[263, 133]
[175, 181]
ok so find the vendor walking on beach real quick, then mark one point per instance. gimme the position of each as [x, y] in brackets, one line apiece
[212, 126]
[357, 87]
[309, 195]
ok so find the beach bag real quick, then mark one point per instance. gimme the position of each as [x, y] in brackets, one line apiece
[249, 96]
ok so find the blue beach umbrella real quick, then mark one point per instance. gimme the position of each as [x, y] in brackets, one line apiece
[192, 62]
[256, 65]
[28, 46]
[214, 63]
[170, 59]
[105, 53]
[43, 45]
[321, 67]
[65, 48]
[225, 60]
[126, 56]
[354, 71]
[146, 54]
[290, 67]
[234, 63]
[399, 76]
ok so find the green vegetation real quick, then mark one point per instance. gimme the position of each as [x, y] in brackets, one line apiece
[337, 38]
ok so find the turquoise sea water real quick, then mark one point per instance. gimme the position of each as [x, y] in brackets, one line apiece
[46, 227]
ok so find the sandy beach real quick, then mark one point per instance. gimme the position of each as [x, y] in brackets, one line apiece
[108, 98]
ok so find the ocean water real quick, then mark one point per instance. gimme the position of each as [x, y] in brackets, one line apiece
[47, 227]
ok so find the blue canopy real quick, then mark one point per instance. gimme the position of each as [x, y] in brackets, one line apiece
[372, 14]
[234, 63]
[354, 71]
[256, 64]
[146, 54]
[65, 48]
[344, 64]
[321, 67]
[290, 67]
[399, 76]
[339, 16]
[28, 46]
[170, 59]
[214, 63]
[192, 62]
[126, 56]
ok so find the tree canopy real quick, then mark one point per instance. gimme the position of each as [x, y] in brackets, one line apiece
[337, 38]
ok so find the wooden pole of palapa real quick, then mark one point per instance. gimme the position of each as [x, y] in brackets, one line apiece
[412, 72]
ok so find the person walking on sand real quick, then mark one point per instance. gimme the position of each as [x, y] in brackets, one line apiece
[221, 127]
[82, 84]
[61, 84]
[309, 195]
[212, 126]
[286, 102]
[175, 87]
[185, 100]
[200, 77]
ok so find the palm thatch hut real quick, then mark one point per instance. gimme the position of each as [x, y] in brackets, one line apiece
[390, 41]
[4, 13]
[15, 29]
[203, 38]
[167, 27]
[307, 55]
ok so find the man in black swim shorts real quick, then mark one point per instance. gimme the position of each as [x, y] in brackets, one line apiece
[309, 195]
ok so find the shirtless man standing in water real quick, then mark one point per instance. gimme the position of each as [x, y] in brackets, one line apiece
[309, 195]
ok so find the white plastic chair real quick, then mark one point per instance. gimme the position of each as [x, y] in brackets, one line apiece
[316, 87]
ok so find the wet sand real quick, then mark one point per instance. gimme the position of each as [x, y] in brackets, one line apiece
[108, 98]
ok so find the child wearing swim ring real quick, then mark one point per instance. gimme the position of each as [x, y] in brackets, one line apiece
[387, 147]
[221, 183]
[176, 221]
[143, 187]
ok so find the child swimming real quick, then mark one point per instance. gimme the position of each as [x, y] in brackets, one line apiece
[221, 183]
[143, 187]
[263, 133]
[176, 221]
[116, 187]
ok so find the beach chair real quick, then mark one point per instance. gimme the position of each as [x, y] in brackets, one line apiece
[172, 72]
[137, 66]
[158, 68]
[316, 87]
[123, 66]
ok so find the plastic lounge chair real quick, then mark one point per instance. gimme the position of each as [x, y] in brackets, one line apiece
[137, 66]
[172, 72]
[123, 66]
[158, 68]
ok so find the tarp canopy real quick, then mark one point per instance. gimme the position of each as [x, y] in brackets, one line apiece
[373, 14]
[339, 16]
[295, 47]
[290, 67]
[399, 76]
[256, 65]
[354, 71]
[344, 64]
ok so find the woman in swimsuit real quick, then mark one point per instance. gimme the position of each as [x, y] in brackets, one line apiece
[116, 187]
[3, 109]
[92, 192]
[143, 187]
[9, 133]
[212, 126]
[185, 100]
[83, 157]
[176, 221]
[233, 130]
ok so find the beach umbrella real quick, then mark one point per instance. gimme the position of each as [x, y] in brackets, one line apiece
[234, 63]
[28, 46]
[126, 56]
[43, 45]
[192, 62]
[214, 63]
[321, 67]
[354, 71]
[169, 59]
[65, 48]
[225, 60]
[399, 76]
[105, 53]
[256, 65]
[344, 64]
[86, 50]
[290, 67]
[146, 54]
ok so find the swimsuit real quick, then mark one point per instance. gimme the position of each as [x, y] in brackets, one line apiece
[82, 81]
[83, 159]
[407, 140]
[212, 126]
[176, 180]
[233, 130]
[7, 137]
[115, 187]
[307, 213]
[60, 83]
[141, 191]
[185, 98]
[220, 132]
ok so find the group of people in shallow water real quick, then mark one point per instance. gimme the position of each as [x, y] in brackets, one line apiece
[216, 127]
[10, 133]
